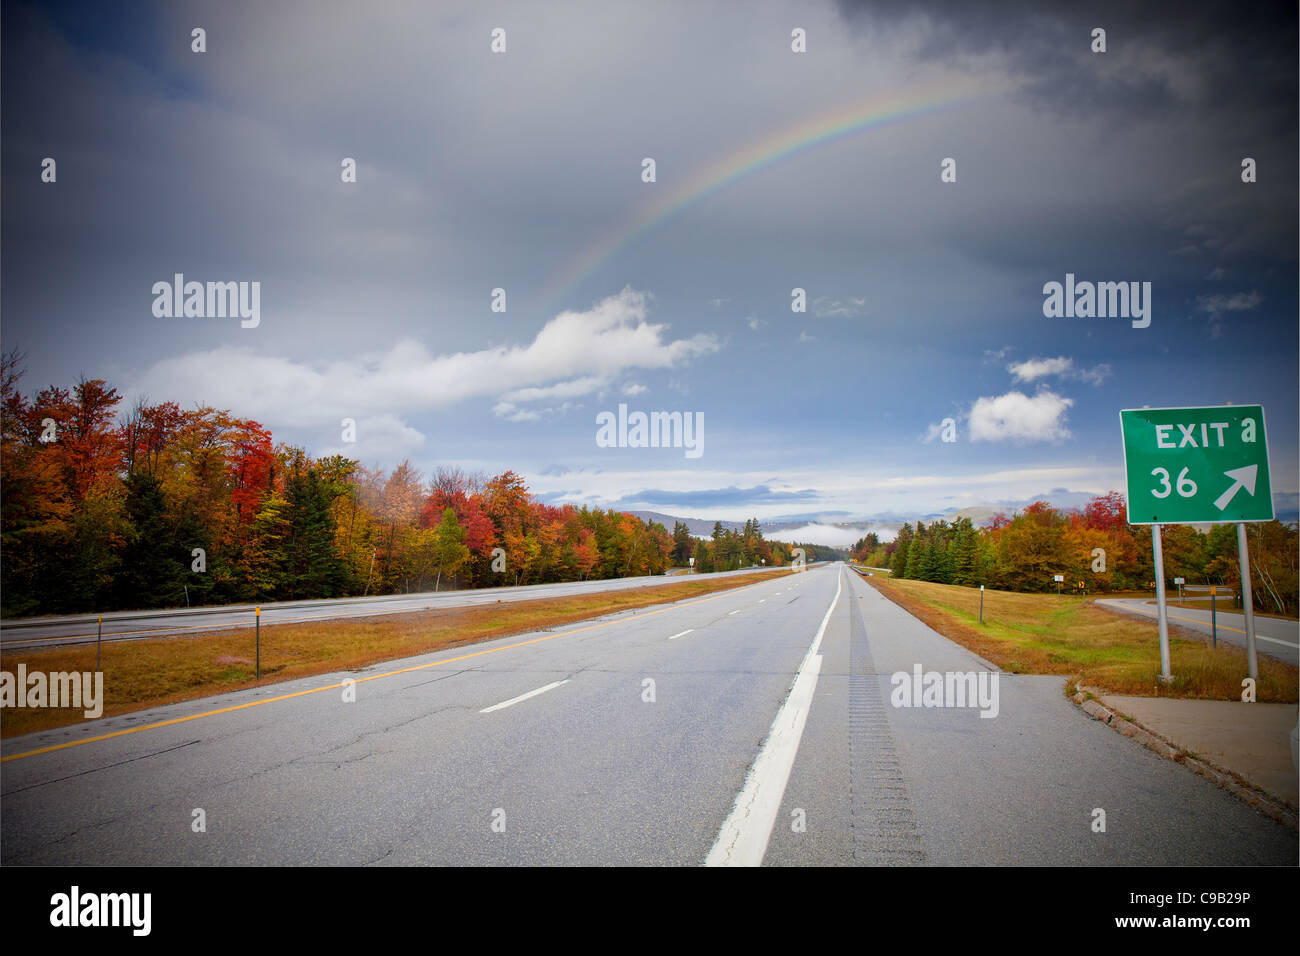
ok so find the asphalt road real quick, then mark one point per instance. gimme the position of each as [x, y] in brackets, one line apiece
[769, 707]
[1275, 637]
[138, 625]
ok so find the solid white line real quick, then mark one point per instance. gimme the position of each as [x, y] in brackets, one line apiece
[515, 700]
[736, 611]
[1265, 637]
[742, 841]
[762, 601]
[681, 634]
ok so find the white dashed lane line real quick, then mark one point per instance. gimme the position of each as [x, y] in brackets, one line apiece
[514, 700]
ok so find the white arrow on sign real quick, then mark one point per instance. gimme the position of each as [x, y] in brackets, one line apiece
[1240, 477]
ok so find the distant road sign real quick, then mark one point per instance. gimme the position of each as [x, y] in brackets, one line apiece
[1058, 577]
[1196, 465]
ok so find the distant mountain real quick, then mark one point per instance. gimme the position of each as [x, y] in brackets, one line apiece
[840, 529]
[700, 527]
[808, 529]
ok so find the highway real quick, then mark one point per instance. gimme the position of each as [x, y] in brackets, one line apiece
[52, 630]
[1273, 636]
[751, 726]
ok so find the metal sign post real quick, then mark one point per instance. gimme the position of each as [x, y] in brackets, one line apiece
[258, 614]
[981, 604]
[99, 639]
[1247, 602]
[1162, 611]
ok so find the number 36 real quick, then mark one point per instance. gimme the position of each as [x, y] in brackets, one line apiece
[1186, 487]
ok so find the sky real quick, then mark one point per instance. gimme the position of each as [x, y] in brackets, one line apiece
[774, 170]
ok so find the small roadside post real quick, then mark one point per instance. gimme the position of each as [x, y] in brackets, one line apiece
[99, 640]
[257, 615]
[981, 604]
[1214, 619]
[1179, 582]
[1059, 578]
[1199, 465]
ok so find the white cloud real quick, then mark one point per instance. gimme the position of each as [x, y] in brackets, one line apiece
[1019, 418]
[634, 388]
[378, 438]
[755, 323]
[932, 432]
[834, 308]
[1033, 369]
[805, 337]
[574, 354]
[1237, 302]
[570, 389]
[827, 535]
[1216, 306]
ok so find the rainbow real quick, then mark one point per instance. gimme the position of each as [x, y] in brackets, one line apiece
[837, 124]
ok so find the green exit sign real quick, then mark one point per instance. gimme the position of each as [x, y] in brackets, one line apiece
[1196, 465]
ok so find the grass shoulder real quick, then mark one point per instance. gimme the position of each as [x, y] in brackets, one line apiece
[1046, 634]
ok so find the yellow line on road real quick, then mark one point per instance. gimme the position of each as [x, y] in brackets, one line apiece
[359, 680]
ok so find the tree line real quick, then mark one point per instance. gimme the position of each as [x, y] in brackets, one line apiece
[1023, 552]
[159, 506]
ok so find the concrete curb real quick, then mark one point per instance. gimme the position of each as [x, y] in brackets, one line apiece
[1234, 783]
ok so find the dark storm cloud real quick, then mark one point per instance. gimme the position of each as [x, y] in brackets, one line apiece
[1209, 55]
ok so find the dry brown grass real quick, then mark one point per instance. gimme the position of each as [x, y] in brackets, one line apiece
[1044, 634]
[148, 673]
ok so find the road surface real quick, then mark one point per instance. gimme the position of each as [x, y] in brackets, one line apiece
[1273, 636]
[751, 725]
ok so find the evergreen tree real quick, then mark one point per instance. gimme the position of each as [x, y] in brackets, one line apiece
[683, 544]
[311, 563]
[916, 554]
[904, 540]
[965, 552]
[449, 548]
[702, 563]
[152, 566]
